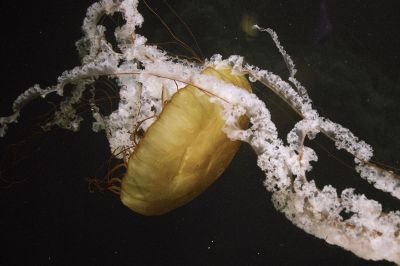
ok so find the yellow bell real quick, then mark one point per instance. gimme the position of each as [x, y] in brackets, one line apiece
[182, 153]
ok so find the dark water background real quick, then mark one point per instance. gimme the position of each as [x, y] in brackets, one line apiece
[348, 56]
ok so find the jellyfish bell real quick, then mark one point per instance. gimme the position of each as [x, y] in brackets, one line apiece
[192, 139]
[182, 153]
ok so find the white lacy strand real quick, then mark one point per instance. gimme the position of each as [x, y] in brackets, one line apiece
[345, 139]
[369, 232]
[147, 77]
[384, 180]
[19, 103]
[289, 62]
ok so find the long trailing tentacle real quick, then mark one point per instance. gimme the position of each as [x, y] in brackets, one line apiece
[142, 71]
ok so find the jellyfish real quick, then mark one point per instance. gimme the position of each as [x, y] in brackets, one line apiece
[193, 117]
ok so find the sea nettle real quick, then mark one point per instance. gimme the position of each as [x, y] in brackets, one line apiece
[183, 151]
[192, 116]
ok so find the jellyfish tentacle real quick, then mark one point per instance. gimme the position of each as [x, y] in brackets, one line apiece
[184, 45]
[315, 211]
[187, 28]
[142, 71]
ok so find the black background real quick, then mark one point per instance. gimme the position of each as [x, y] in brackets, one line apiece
[51, 217]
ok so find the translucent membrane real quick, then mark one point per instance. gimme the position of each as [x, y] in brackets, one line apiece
[147, 76]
